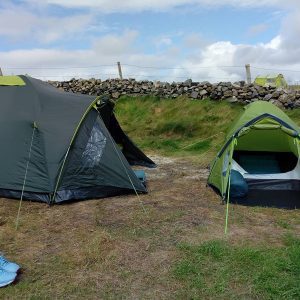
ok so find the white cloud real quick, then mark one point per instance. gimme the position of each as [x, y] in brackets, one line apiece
[210, 64]
[196, 41]
[225, 61]
[108, 6]
[163, 41]
[98, 61]
[24, 24]
[206, 63]
[290, 30]
[116, 45]
[20, 20]
[203, 60]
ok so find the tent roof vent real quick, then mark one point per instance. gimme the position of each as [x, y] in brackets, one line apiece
[11, 81]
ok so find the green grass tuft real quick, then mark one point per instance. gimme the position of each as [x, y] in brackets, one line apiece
[218, 269]
[176, 127]
[284, 224]
[179, 126]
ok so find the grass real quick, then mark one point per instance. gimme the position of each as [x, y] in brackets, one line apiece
[176, 127]
[180, 127]
[284, 224]
[216, 269]
[295, 115]
[111, 249]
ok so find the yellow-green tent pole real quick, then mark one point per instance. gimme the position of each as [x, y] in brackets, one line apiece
[26, 172]
[233, 144]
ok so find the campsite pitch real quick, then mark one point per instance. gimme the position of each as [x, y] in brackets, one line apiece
[111, 249]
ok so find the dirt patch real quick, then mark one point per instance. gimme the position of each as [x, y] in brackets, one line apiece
[111, 248]
[176, 167]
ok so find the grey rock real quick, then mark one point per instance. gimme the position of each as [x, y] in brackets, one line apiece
[115, 95]
[224, 88]
[278, 103]
[283, 98]
[194, 95]
[203, 92]
[235, 93]
[228, 94]
[268, 97]
[188, 82]
[233, 99]
[236, 85]
[297, 104]
[276, 94]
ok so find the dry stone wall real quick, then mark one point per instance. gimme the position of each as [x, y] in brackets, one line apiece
[232, 92]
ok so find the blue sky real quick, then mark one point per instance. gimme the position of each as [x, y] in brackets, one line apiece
[197, 38]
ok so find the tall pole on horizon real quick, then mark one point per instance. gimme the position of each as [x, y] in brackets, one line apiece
[120, 70]
[248, 73]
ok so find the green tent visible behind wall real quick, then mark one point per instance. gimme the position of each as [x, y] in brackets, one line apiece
[276, 80]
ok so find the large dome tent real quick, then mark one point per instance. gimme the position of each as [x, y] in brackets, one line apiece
[259, 163]
[58, 146]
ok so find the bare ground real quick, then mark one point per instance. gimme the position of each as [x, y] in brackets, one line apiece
[123, 247]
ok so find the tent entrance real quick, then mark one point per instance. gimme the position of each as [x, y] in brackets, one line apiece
[264, 162]
[269, 167]
[259, 162]
[95, 167]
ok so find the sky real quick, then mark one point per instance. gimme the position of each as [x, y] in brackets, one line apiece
[167, 40]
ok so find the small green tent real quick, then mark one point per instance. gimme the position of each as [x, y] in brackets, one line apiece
[262, 148]
[271, 80]
[58, 146]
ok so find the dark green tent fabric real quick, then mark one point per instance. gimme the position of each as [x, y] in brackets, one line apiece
[132, 153]
[41, 126]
